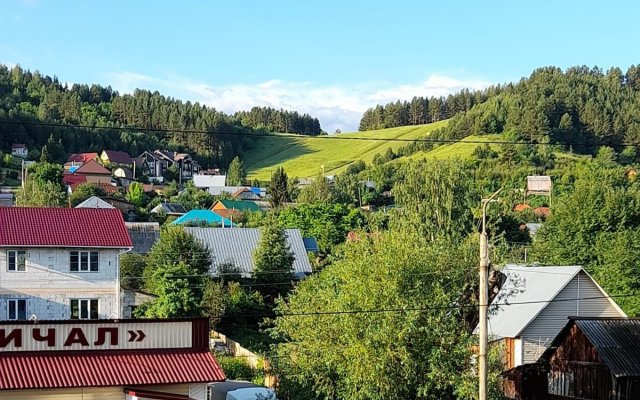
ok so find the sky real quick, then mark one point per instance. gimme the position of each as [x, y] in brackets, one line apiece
[331, 59]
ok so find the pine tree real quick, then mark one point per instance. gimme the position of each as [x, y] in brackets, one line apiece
[279, 188]
[236, 173]
[273, 258]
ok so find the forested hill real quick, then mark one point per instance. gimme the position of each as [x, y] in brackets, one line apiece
[31, 97]
[579, 107]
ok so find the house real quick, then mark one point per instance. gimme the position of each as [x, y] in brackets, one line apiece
[595, 359]
[166, 359]
[94, 202]
[143, 236]
[6, 199]
[108, 188]
[155, 164]
[131, 299]
[127, 208]
[534, 303]
[92, 173]
[58, 263]
[539, 185]
[208, 181]
[237, 245]
[19, 150]
[251, 194]
[242, 206]
[110, 158]
[82, 158]
[174, 209]
[124, 175]
[218, 190]
[202, 217]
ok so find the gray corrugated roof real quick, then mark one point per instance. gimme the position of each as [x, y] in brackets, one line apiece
[143, 235]
[617, 341]
[533, 286]
[237, 245]
[169, 208]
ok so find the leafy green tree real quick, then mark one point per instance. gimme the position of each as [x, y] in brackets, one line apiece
[84, 191]
[318, 192]
[423, 353]
[177, 246]
[46, 172]
[136, 195]
[37, 193]
[132, 267]
[279, 188]
[176, 295]
[329, 224]
[44, 155]
[236, 174]
[273, 258]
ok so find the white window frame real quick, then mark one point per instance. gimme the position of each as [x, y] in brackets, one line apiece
[16, 256]
[87, 264]
[84, 308]
[14, 303]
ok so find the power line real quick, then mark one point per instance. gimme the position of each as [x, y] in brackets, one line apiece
[309, 137]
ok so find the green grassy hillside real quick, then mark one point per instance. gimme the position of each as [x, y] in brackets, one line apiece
[304, 157]
[462, 149]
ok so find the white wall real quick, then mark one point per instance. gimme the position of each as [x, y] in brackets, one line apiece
[48, 285]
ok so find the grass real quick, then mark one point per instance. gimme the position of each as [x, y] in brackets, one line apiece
[462, 149]
[302, 157]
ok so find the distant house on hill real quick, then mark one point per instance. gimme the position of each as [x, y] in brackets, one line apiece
[82, 158]
[203, 217]
[154, 164]
[19, 150]
[112, 158]
[534, 303]
[92, 173]
[251, 194]
[94, 202]
[237, 205]
[124, 175]
[208, 181]
[169, 209]
[236, 246]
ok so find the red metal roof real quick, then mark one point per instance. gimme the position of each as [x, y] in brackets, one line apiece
[106, 368]
[92, 168]
[62, 227]
[71, 179]
[82, 157]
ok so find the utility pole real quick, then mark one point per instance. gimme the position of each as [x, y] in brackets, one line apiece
[483, 301]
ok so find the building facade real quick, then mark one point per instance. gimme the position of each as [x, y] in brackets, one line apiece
[59, 263]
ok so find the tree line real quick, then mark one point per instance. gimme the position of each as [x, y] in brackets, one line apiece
[423, 110]
[30, 97]
[274, 120]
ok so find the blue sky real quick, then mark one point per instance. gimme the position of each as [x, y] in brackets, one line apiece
[332, 59]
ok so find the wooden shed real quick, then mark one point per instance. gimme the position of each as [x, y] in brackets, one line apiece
[595, 359]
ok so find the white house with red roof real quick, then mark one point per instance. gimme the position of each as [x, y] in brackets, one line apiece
[61, 263]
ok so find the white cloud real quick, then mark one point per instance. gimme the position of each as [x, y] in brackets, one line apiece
[337, 107]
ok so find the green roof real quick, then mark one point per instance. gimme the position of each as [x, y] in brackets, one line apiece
[241, 205]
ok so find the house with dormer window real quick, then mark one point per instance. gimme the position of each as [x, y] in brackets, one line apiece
[61, 263]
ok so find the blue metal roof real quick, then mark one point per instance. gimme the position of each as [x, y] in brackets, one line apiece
[204, 217]
[310, 244]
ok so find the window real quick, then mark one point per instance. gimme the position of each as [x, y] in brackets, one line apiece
[84, 309]
[16, 260]
[16, 309]
[83, 261]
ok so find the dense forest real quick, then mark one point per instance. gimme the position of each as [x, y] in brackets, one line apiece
[30, 97]
[423, 110]
[578, 108]
[274, 120]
